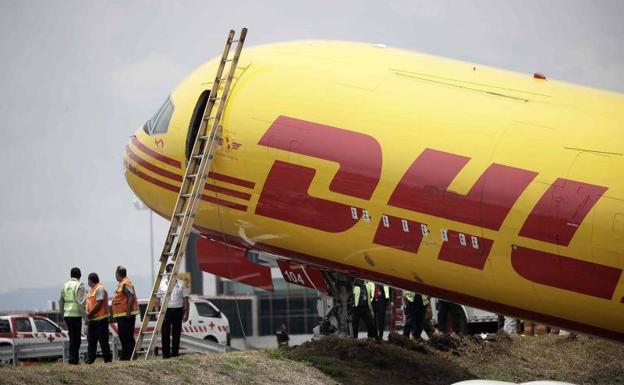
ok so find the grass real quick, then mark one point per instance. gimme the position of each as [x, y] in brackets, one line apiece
[443, 360]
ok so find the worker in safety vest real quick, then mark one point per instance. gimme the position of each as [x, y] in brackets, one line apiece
[125, 309]
[97, 317]
[363, 307]
[381, 297]
[71, 305]
[415, 312]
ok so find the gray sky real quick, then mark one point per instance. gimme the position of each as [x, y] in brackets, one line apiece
[78, 77]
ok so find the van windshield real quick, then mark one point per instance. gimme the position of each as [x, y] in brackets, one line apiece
[205, 310]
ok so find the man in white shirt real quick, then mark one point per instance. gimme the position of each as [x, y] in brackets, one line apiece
[177, 312]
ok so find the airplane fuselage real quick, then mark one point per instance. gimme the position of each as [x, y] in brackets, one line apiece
[485, 187]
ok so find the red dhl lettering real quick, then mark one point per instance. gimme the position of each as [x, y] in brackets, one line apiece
[423, 189]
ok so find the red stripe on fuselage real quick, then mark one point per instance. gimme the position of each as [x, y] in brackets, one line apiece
[561, 210]
[232, 180]
[150, 166]
[178, 178]
[466, 255]
[175, 163]
[176, 189]
[565, 273]
[394, 236]
[155, 155]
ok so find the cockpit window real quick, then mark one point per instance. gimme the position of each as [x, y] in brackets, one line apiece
[159, 123]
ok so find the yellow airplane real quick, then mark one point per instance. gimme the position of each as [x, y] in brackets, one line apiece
[489, 188]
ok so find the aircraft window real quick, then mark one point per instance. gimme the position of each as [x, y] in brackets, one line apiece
[45, 326]
[159, 123]
[23, 325]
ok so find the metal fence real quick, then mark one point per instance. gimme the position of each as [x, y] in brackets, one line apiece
[14, 353]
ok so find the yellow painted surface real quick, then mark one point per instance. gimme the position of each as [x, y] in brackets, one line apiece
[409, 102]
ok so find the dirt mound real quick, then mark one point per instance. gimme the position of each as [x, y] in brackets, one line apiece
[449, 358]
[371, 362]
[580, 360]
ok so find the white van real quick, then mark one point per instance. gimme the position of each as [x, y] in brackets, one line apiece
[205, 321]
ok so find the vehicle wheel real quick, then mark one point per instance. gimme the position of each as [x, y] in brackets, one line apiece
[211, 339]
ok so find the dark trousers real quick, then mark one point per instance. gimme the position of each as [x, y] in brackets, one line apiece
[125, 329]
[363, 312]
[98, 332]
[379, 308]
[74, 327]
[414, 318]
[171, 330]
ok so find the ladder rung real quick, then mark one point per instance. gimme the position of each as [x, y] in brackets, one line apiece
[234, 41]
[191, 176]
[209, 117]
[179, 214]
[217, 98]
[153, 313]
[227, 60]
[198, 156]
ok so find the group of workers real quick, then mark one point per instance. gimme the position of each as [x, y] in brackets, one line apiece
[92, 306]
[370, 302]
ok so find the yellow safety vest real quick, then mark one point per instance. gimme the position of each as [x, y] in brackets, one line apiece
[370, 287]
[71, 306]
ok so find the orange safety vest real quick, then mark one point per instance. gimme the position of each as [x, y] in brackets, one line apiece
[120, 300]
[91, 301]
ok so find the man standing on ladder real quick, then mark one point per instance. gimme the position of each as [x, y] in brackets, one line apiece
[125, 309]
[71, 305]
[177, 313]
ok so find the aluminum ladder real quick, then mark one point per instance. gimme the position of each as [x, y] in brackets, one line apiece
[197, 169]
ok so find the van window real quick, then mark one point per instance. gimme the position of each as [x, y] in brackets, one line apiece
[23, 325]
[4, 326]
[45, 326]
[205, 310]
